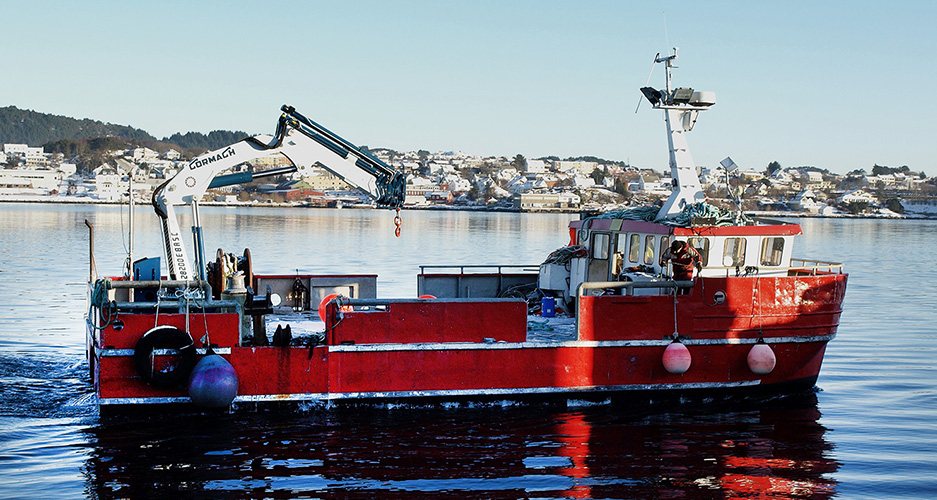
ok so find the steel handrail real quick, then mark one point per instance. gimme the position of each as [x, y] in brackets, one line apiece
[596, 285]
[817, 266]
[462, 268]
[162, 283]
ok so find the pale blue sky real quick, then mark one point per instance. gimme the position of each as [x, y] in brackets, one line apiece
[839, 85]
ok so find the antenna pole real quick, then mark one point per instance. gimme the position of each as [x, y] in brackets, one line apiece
[648, 82]
[130, 236]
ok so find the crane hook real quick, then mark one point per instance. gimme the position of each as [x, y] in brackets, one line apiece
[397, 221]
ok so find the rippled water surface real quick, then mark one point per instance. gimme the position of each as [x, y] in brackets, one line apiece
[869, 432]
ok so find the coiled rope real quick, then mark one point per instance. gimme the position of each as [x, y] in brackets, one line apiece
[99, 300]
[563, 255]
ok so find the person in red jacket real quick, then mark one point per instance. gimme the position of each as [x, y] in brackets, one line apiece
[684, 258]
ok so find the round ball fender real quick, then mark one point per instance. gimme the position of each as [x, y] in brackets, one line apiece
[676, 358]
[213, 383]
[761, 359]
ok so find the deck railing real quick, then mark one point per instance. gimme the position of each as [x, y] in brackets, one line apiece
[816, 266]
[630, 285]
[478, 269]
[798, 267]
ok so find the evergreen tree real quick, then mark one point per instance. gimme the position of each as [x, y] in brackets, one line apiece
[520, 163]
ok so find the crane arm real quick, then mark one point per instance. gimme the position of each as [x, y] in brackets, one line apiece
[304, 142]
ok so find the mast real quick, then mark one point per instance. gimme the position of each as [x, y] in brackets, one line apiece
[130, 236]
[129, 167]
[681, 107]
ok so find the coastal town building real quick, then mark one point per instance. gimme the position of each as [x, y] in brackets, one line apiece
[536, 167]
[296, 190]
[808, 202]
[41, 180]
[444, 197]
[526, 183]
[141, 155]
[23, 154]
[323, 180]
[110, 184]
[545, 201]
[856, 196]
[583, 167]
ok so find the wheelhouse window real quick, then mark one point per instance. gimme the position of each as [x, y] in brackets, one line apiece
[621, 243]
[600, 246]
[664, 245]
[771, 251]
[634, 248]
[618, 255]
[702, 246]
[734, 252]
[649, 250]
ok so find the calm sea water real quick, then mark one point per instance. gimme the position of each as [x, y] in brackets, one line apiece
[869, 432]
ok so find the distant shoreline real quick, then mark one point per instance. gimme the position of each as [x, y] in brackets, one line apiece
[88, 201]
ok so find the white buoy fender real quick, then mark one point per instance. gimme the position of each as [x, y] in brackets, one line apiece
[676, 358]
[213, 382]
[761, 358]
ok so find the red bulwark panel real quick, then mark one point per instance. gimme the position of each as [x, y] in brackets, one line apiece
[280, 370]
[222, 328]
[752, 307]
[769, 306]
[118, 378]
[617, 317]
[435, 321]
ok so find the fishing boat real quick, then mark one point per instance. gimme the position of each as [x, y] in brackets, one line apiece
[625, 315]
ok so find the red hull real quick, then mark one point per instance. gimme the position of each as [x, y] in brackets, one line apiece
[477, 349]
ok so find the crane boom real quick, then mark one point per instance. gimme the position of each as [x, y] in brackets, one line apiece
[304, 142]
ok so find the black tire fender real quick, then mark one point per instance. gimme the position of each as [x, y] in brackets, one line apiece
[164, 337]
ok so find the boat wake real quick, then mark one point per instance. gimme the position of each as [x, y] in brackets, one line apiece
[43, 386]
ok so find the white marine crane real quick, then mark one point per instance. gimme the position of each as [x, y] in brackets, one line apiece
[304, 142]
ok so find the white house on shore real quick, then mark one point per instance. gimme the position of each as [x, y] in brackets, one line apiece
[856, 196]
[806, 201]
[110, 184]
[140, 155]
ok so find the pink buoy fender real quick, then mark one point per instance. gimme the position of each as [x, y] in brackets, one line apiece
[761, 358]
[213, 382]
[427, 296]
[676, 358]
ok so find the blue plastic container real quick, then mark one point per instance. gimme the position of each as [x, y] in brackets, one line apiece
[548, 307]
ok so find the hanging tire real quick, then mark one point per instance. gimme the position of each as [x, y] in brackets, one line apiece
[164, 337]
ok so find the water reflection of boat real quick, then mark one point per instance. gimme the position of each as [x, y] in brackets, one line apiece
[752, 318]
[774, 449]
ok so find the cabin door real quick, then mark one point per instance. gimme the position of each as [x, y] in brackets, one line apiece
[599, 249]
